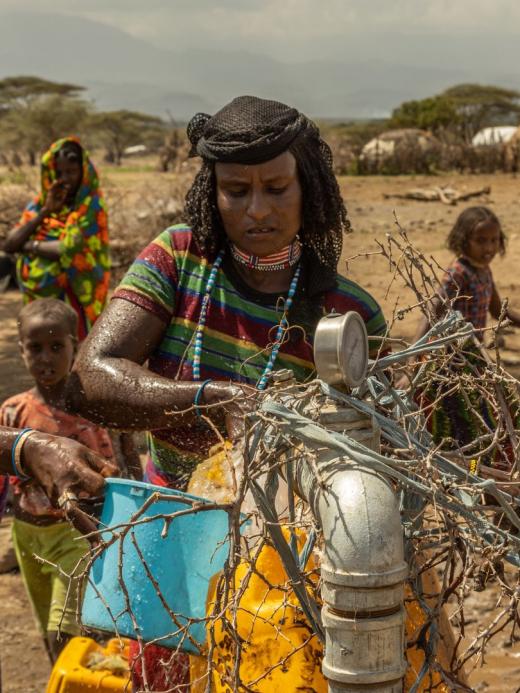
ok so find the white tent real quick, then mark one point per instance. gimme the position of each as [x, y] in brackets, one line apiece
[495, 135]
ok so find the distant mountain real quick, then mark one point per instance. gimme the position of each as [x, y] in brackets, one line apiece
[122, 71]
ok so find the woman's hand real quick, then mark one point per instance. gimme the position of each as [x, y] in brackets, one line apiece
[56, 197]
[67, 471]
[235, 400]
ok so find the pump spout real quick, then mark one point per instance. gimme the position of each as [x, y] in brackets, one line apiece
[362, 569]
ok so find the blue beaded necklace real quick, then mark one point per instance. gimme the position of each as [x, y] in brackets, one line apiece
[199, 332]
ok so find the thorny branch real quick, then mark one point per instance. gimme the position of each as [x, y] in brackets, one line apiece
[460, 504]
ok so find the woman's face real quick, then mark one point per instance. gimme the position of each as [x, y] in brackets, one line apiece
[70, 173]
[260, 204]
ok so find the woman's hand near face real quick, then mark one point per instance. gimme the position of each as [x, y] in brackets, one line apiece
[56, 197]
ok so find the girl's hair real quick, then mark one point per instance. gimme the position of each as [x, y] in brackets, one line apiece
[466, 223]
[324, 216]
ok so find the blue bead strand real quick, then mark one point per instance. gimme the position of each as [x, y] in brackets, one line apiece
[262, 383]
[199, 332]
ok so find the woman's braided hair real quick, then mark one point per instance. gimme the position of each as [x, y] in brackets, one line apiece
[251, 130]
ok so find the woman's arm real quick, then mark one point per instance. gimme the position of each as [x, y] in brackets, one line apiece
[495, 308]
[48, 249]
[110, 385]
[66, 470]
[18, 237]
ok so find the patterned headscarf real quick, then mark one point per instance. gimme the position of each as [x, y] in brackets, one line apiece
[81, 275]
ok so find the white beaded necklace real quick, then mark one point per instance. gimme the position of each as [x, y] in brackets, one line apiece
[199, 332]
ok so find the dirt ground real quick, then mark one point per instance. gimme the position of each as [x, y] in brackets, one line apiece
[24, 663]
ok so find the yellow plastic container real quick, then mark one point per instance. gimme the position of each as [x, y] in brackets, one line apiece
[275, 653]
[72, 675]
[279, 651]
[415, 620]
[275, 634]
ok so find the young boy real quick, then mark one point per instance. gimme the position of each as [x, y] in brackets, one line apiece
[47, 331]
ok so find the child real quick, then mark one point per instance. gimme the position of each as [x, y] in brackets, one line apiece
[475, 240]
[47, 331]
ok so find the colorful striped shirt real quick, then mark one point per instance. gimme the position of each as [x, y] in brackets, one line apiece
[470, 289]
[169, 279]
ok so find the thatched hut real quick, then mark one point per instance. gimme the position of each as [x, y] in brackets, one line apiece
[400, 151]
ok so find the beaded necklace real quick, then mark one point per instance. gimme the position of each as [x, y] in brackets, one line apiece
[199, 332]
[286, 257]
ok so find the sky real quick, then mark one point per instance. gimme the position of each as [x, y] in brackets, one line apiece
[336, 58]
[289, 29]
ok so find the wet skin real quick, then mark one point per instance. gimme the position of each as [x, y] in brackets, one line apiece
[57, 464]
[260, 206]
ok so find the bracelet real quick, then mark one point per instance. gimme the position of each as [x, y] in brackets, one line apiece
[16, 453]
[198, 396]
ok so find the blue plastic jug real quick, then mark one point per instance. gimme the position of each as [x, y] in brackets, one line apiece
[182, 562]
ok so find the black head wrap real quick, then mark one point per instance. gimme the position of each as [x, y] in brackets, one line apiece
[248, 130]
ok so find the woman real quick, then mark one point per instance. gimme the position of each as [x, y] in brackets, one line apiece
[62, 237]
[215, 306]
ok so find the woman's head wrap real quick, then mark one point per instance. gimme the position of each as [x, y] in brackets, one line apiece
[248, 130]
[251, 131]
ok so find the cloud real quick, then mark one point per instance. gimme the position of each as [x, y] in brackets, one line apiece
[286, 26]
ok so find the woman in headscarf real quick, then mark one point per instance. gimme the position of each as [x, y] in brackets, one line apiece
[62, 237]
[216, 305]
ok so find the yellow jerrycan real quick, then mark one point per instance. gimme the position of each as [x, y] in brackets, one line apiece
[84, 666]
[279, 651]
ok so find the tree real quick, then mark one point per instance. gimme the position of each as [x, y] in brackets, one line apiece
[435, 113]
[464, 109]
[22, 90]
[121, 129]
[479, 106]
[35, 111]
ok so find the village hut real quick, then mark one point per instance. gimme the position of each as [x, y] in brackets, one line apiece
[408, 150]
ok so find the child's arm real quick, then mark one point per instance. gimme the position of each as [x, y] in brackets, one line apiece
[495, 308]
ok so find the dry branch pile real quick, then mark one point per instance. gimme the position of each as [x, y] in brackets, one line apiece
[460, 508]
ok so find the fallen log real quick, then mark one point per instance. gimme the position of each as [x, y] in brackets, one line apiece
[448, 196]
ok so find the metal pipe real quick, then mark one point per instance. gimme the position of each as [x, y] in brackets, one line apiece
[362, 568]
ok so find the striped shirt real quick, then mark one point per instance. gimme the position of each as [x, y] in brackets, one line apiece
[169, 279]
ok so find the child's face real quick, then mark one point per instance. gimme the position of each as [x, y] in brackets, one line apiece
[484, 243]
[48, 350]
